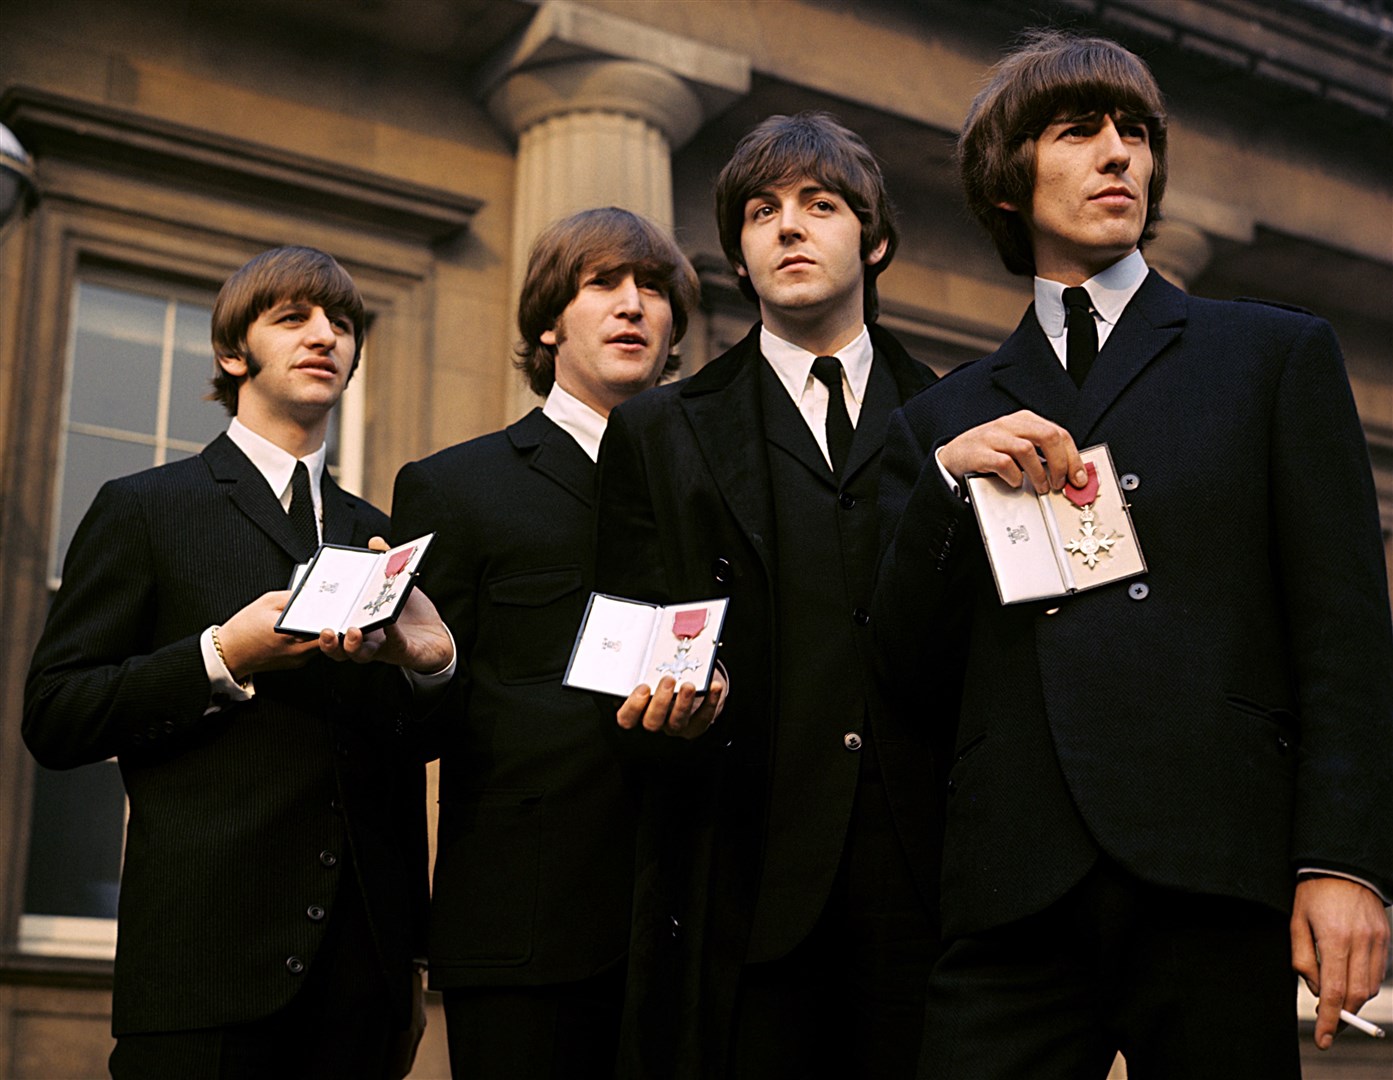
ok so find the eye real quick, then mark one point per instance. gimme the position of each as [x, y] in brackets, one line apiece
[1135, 131]
[825, 206]
[343, 324]
[761, 211]
[598, 281]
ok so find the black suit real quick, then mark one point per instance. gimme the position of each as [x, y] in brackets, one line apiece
[712, 487]
[1208, 728]
[534, 867]
[246, 824]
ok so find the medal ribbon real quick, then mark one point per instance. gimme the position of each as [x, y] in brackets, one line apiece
[1083, 496]
[688, 624]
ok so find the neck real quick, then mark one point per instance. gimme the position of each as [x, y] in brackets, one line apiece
[290, 434]
[820, 335]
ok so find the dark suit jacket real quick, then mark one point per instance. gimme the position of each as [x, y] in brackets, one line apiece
[241, 821]
[1214, 725]
[534, 864]
[686, 513]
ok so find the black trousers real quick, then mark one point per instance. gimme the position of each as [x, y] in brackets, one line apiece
[1183, 985]
[339, 1026]
[562, 1031]
[848, 1001]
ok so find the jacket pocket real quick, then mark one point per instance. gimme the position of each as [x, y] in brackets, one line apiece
[487, 869]
[536, 615]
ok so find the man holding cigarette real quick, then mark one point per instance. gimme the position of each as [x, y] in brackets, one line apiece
[1168, 790]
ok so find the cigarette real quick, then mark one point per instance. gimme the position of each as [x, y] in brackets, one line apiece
[1362, 1024]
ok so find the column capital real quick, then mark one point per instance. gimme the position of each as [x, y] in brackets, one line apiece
[572, 58]
[1180, 252]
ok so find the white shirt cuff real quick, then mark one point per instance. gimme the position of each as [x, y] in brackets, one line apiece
[223, 689]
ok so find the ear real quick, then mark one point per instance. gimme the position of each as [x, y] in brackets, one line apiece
[1010, 206]
[548, 337]
[877, 253]
[233, 365]
[741, 271]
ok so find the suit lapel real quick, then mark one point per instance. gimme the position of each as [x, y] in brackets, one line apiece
[340, 515]
[880, 401]
[785, 426]
[1027, 369]
[248, 491]
[722, 403]
[554, 454]
[1152, 320]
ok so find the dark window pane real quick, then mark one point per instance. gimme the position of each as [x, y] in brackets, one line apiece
[91, 461]
[116, 359]
[190, 417]
[75, 842]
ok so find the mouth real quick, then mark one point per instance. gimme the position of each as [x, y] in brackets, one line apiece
[629, 339]
[321, 367]
[794, 260]
[1116, 195]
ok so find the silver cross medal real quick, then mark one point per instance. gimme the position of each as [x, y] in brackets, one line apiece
[1091, 543]
[685, 626]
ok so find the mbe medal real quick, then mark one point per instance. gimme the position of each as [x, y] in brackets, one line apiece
[685, 626]
[395, 565]
[1092, 542]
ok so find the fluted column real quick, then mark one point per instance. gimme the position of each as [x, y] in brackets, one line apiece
[1180, 252]
[596, 126]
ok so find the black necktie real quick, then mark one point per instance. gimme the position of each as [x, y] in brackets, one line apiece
[828, 371]
[1081, 349]
[302, 522]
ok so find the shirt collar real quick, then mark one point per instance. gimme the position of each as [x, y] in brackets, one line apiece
[576, 419]
[793, 364]
[1110, 292]
[275, 464]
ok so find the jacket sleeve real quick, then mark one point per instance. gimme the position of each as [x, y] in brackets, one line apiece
[97, 686]
[1330, 563]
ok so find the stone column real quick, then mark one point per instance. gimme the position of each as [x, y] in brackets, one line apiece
[1180, 252]
[598, 105]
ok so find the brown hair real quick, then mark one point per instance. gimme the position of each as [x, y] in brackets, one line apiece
[1051, 75]
[602, 239]
[784, 149]
[273, 277]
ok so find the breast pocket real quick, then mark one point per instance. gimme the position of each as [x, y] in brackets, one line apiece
[536, 615]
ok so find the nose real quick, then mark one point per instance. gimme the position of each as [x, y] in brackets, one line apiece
[628, 298]
[790, 220]
[1116, 155]
[319, 330]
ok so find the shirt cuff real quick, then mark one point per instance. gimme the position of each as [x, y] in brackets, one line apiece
[223, 689]
[947, 476]
[423, 683]
[1316, 871]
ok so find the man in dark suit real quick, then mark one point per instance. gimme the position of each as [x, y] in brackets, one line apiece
[534, 864]
[273, 894]
[779, 929]
[1172, 789]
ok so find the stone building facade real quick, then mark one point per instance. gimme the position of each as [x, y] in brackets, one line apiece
[425, 143]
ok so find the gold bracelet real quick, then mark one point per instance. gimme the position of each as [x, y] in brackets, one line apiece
[217, 645]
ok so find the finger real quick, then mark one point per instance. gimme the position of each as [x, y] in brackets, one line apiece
[634, 706]
[655, 716]
[330, 645]
[378, 544]
[1303, 953]
[1028, 459]
[684, 703]
[1333, 983]
[1061, 458]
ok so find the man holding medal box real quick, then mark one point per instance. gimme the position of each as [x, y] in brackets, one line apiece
[535, 843]
[1172, 789]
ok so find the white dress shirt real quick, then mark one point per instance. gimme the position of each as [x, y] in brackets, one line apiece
[794, 367]
[576, 419]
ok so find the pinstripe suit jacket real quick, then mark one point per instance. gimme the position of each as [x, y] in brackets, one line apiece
[243, 822]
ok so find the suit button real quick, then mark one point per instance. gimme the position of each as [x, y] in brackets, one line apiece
[315, 913]
[846, 500]
[1138, 590]
[851, 741]
[169, 727]
[328, 858]
[720, 570]
[952, 787]
[1053, 611]
[1130, 481]
[334, 805]
[1283, 743]
[152, 733]
[674, 927]
[861, 617]
[294, 965]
